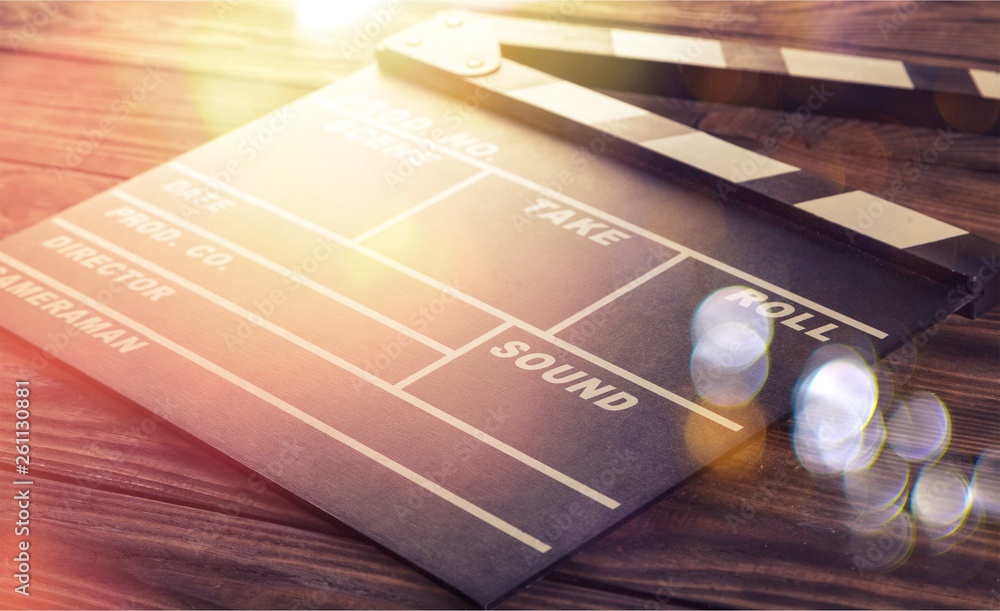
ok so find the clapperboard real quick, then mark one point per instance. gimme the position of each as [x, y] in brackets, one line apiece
[485, 301]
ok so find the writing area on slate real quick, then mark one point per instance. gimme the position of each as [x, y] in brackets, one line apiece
[407, 306]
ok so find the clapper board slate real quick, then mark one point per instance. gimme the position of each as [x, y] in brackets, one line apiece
[487, 340]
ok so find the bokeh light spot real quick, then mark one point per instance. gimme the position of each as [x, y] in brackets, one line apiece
[729, 362]
[717, 310]
[919, 429]
[874, 521]
[834, 405]
[878, 487]
[986, 483]
[941, 499]
[886, 548]
[729, 365]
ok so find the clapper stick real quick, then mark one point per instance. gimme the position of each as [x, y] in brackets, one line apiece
[752, 74]
[461, 52]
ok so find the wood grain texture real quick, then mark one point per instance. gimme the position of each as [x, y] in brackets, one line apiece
[131, 513]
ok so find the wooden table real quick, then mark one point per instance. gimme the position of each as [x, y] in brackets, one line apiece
[93, 93]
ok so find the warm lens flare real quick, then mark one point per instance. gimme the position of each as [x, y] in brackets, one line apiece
[322, 15]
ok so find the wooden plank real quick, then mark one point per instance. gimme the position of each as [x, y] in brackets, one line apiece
[122, 121]
[726, 523]
[680, 552]
[177, 556]
[256, 41]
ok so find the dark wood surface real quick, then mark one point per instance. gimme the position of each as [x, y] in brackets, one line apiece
[119, 496]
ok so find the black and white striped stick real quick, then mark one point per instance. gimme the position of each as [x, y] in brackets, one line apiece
[750, 74]
[459, 52]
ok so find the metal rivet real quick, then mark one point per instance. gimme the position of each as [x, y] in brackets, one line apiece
[414, 42]
[454, 22]
[475, 62]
